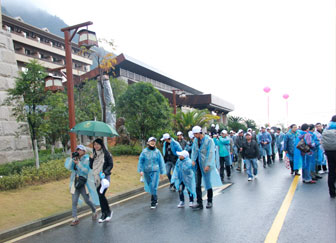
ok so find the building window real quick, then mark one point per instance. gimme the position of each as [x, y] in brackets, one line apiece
[123, 72]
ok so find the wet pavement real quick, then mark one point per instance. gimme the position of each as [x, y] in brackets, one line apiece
[244, 212]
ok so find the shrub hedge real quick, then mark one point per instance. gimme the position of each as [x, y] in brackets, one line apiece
[16, 167]
[52, 171]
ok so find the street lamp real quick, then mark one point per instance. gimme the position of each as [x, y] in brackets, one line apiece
[182, 96]
[53, 83]
[70, 84]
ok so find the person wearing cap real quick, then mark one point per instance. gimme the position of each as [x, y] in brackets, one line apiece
[78, 164]
[253, 134]
[203, 158]
[170, 147]
[181, 139]
[223, 143]
[101, 163]
[150, 166]
[250, 153]
[184, 177]
[279, 141]
[320, 157]
[264, 141]
[239, 144]
[233, 138]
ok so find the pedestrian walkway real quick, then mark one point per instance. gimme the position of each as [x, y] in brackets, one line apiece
[244, 212]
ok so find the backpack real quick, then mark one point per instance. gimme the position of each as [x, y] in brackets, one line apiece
[302, 146]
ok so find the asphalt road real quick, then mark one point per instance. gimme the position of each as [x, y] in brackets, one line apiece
[244, 212]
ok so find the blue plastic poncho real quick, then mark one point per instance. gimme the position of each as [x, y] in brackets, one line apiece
[265, 149]
[184, 172]
[279, 140]
[174, 145]
[289, 142]
[319, 156]
[151, 163]
[300, 159]
[83, 169]
[206, 157]
[224, 145]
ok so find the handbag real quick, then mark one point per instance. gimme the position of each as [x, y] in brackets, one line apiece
[80, 182]
[302, 146]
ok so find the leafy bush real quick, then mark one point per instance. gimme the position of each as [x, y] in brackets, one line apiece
[51, 171]
[16, 167]
[125, 150]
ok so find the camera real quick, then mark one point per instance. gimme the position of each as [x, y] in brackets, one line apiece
[75, 155]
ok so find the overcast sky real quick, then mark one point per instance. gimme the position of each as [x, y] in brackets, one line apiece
[229, 48]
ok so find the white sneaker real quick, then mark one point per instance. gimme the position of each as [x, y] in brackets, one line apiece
[191, 204]
[320, 172]
[256, 176]
[180, 205]
[108, 218]
[249, 179]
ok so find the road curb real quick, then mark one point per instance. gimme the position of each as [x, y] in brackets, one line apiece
[44, 222]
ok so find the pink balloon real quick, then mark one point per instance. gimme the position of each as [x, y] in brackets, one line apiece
[267, 89]
[285, 96]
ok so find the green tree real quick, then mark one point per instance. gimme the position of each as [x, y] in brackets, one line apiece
[118, 88]
[235, 123]
[87, 102]
[56, 125]
[27, 99]
[250, 123]
[146, 111]
[186, 120]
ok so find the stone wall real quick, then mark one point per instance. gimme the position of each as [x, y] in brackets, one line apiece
[14, 144]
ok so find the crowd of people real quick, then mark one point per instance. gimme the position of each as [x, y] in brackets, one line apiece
[204, 159]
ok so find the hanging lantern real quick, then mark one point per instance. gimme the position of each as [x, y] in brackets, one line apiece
[87, 38]
[53, 83]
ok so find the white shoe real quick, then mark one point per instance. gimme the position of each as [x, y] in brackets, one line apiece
[180, 205]
[249, 179]
[320, 172]
[108, 218]
[256, 176]
[191, 204]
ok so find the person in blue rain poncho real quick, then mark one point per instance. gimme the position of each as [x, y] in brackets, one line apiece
[320, 156]
[79, 166]
[150, 166]
[312, 158]
[265, 140]
[203, 158]
[289, 147]
[170, 147]
[300, 158]
[224, 145]
[184, 177]
[188, 147]
[279, 142]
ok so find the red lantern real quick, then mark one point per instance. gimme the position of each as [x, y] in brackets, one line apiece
[53, 83]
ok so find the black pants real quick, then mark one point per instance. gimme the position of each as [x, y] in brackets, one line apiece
[181, 189]
[222, 166]
[280, 153]
[331, 155]
[199, 187]
[268, 160]
[154, 199]
[103, 202]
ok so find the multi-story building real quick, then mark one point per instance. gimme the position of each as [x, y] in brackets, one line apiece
[31, 42]
[131, 71]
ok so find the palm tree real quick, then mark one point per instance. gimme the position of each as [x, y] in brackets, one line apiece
[250, 123]
[186, 121]
[235, 123]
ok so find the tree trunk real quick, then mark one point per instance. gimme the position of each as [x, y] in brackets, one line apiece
[37, 160]
[143, 144]
[53, 149]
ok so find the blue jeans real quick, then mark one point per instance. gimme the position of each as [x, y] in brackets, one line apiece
[169, 170]
[251, 163]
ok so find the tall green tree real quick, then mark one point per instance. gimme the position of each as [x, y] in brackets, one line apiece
[146, 111]
[186, 120]
[87, 106]
[27, 99]
[56, 125]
